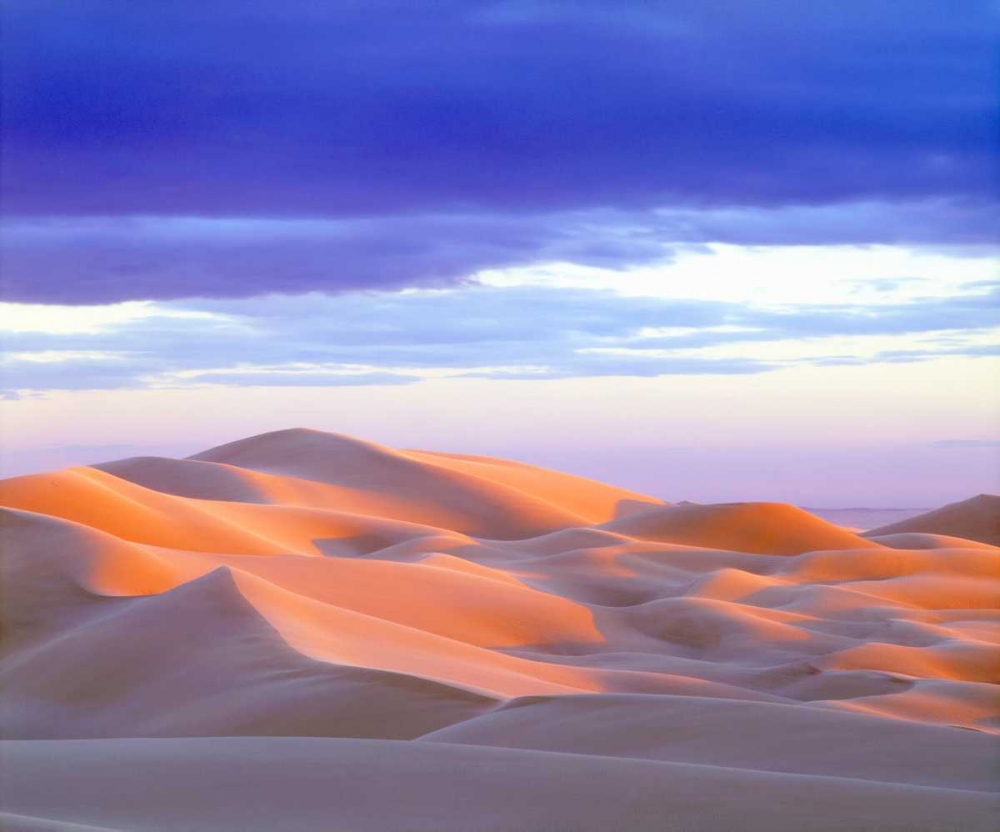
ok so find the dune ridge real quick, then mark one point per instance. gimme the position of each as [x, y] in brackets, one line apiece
[511, 647]
[977, 518]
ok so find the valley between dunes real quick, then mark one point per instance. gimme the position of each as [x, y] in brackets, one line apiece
[305, 631]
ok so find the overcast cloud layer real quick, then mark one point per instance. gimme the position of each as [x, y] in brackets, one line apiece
[232, 149]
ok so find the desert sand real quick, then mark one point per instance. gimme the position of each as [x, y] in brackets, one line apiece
[305, 631]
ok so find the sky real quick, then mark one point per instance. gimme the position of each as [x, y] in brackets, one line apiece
[707, 249]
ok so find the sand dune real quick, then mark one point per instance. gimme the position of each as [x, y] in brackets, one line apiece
[307, 631]
[974, 519]
[761, 528]
[309, 784]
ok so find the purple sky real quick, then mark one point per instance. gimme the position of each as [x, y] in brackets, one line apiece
[384, 204]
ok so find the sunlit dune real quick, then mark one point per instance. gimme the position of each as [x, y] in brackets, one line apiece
[309, 626]
[760, 528]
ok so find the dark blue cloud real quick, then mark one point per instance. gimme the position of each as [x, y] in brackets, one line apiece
[491, 113]
[253, 107]
[108, 259]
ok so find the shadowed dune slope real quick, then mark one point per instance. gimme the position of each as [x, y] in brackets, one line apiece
[308, 784]
[733, 733]
[265, 635]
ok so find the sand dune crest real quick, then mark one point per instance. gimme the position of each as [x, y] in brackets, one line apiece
[470, 629]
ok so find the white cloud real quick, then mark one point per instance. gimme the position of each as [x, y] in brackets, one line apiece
[86, 320]
[773, 276]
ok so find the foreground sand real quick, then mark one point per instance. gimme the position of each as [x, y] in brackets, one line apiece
[305, 631]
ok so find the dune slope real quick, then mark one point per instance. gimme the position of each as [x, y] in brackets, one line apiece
[977, 518]
[267, 634]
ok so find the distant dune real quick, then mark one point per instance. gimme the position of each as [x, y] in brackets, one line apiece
[975, 519]
[304, 631]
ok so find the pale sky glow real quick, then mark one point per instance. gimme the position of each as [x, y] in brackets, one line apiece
[836, 436]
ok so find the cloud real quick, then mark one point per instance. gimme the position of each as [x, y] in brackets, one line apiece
[231, 148]
[495, 332]
[242, 376]
[111, 259]
[101, 260]
[370, 108]
[884, 284]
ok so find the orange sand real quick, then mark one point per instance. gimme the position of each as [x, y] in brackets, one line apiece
[306, 631]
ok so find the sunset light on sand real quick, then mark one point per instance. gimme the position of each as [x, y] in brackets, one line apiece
[499, 416]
